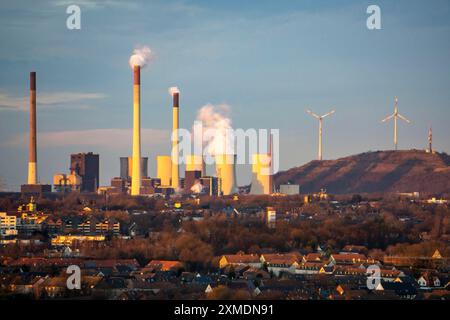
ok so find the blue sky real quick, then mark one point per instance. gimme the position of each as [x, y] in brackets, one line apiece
[268, 60]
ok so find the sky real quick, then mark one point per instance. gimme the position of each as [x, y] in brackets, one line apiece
[268, 61]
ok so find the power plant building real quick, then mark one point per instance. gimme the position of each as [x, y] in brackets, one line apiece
[194, 171]
[122, 183]
[126, 167]
[86, 165]
[67, 183]
[290, 189]
[210, 185]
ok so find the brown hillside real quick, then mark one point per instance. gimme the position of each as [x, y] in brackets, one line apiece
[381, 171]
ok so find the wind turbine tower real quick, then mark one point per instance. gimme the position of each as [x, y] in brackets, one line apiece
[430, 140]
[320, 118]
[395, 115]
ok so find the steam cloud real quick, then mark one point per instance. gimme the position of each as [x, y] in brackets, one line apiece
[140, 57]
[217, 137]
[173, 90]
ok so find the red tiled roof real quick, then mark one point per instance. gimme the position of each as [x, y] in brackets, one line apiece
[310, 257]
[164, 265]
[242, 258]
[286, 258]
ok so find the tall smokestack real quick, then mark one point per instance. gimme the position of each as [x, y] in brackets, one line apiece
[136, 171]
[175, 167]
[32, 160]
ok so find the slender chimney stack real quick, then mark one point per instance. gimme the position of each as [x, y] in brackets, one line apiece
[136, 170]
[175, 169]
[32, 160]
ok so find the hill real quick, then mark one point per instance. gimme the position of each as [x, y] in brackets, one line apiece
[373, 172]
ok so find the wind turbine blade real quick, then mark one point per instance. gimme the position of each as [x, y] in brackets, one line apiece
[328, 114]
[387, 118]
[403, 118]
[313, 114]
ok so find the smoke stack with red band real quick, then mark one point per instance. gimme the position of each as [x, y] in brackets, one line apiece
[175, 118]
[137, 61]
[176, 100]
[136, 168]
[137, 75]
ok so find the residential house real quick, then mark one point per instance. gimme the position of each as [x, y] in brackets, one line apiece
[240, 259]
[340, 270]
[53, 225]
[277, 263]
[427, 281]
[55, 286]
[309, 268]
[108, 226]
[8, 225]
[313, 257]
[347, 258]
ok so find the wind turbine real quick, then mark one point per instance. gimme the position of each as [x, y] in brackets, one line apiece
[320, 118]
[430, 140]
[395, 115]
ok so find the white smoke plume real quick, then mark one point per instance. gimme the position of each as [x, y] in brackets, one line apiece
[140, 57]
[217, 136]
[173, 90]
[197, 187]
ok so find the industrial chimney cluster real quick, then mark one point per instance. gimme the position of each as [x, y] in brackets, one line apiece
[167, 179]
[134, 179]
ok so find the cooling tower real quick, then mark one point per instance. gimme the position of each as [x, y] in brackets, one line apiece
[226, 173]
[175, 169]
[164, 170]
[136, 170]
[261, 174]
[32, 160]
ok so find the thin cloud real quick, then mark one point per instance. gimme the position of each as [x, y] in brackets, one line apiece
[114, 139]
[57, 99]
[97, 4]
